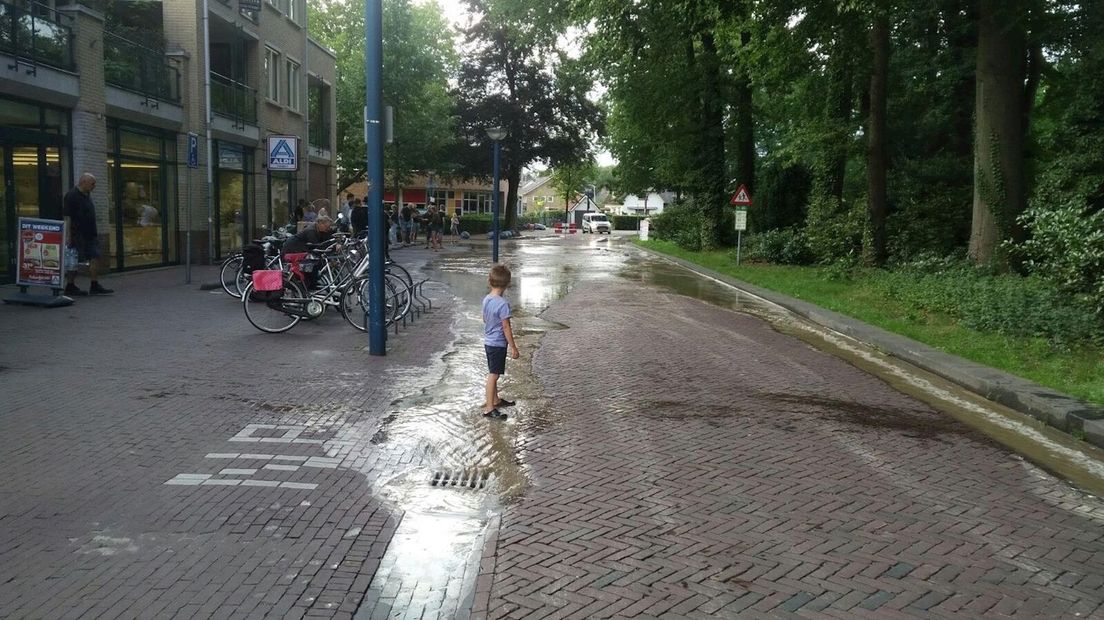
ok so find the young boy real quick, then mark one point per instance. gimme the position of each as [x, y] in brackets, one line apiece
[497, 336]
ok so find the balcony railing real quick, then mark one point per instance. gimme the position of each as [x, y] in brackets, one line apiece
[36, 34]
[233, 100]
[319, 136]
[246, 13]
[140, 69]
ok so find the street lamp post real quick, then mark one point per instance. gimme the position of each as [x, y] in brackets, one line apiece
[496, 134]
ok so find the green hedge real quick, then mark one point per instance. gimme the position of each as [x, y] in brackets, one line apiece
[626, 222]
[476, 224]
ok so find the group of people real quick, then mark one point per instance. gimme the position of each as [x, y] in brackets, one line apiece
[409, 222]
[404, 224]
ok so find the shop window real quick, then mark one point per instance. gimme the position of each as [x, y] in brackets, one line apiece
[139, 145]
[18, 115]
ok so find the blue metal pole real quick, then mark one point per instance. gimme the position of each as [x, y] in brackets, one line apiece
[373, 113]
[494, 226]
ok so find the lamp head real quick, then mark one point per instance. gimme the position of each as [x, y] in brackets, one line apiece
[497, 133]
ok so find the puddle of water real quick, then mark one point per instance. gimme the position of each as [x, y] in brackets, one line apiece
[435, 424]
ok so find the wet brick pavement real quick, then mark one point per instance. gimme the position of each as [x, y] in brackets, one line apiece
[696, 463]
[163, 458]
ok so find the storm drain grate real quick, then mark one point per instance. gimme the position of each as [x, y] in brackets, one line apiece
[463, 479]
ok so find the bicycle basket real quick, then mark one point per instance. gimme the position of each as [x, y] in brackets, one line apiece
[268, 280]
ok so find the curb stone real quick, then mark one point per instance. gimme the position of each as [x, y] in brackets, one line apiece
[1042, 403]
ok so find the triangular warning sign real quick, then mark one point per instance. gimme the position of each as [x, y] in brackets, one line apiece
[741, 198]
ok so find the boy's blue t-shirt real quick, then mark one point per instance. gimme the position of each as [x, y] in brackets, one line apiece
[495, 310]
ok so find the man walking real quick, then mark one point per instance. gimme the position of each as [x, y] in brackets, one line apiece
[80, 214]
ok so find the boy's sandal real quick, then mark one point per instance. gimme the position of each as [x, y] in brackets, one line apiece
[504, 403]
[495, 414]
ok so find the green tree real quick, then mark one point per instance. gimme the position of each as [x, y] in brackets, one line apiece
[570, 180]
[513, 76]
[419, 60]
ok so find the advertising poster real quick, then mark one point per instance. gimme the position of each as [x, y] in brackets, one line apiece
[41, 252]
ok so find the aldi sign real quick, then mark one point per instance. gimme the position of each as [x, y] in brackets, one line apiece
[249, 5]
[283, 153]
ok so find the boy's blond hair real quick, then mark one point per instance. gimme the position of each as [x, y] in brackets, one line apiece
[499, 277]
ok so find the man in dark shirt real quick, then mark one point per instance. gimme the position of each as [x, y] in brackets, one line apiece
[80, 215]
[359, 216]
[407, 215]
[321, 232]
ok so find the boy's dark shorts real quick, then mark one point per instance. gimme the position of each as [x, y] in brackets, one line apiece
[496, 360]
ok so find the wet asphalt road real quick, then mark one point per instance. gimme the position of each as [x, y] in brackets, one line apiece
[669, 457]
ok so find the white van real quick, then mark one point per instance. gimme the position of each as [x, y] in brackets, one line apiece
[596, 223]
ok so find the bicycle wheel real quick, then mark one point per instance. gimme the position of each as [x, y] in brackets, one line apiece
[355, 304]
[269, 319]
[401, 272]
[231, 274]
[404, 297]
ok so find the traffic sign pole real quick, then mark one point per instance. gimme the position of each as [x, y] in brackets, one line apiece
[741, 200]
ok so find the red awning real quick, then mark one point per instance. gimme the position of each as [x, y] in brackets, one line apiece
[413, 194]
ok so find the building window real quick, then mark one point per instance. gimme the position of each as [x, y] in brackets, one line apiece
[293, 10]
[272, 74]
[293, 85]
[476, 202]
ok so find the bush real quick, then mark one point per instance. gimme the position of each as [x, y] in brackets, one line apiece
[835, 232]
[1005, 304]
[477, 223]
[626, 222]
[1067, 248]
[680, 223]
[784, 246]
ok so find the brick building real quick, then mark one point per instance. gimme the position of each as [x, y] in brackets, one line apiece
[114, 88]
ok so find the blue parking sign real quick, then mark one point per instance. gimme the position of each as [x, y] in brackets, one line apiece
[193, 150]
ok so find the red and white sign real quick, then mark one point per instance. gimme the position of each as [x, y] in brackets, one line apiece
[741, 198]
[41, 243]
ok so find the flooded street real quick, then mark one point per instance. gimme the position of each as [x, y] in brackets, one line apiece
[433, 565]
[679, 448]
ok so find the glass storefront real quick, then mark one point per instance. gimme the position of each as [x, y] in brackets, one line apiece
[233, 182]
[34, 166]
[142, 188]
[282, 198]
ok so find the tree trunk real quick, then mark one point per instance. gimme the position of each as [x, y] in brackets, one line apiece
[843, 105]
[509, 208]
[745, 127]
[1000, 193]
[876, 135]
[713, 147]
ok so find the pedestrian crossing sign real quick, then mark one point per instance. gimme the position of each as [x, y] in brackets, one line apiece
[283, 153]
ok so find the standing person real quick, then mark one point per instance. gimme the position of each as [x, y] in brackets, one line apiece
[347, 206]
[436, 227]
[498, 335]
[300, 212]
[407, 215]
[310, 215]
[455, 227]
[78, 209]
[359, 216]
[393, 221]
